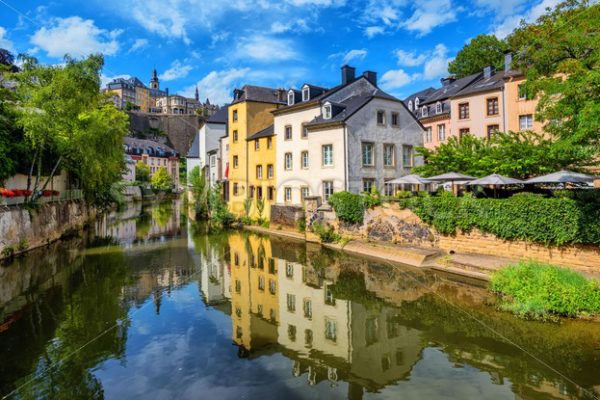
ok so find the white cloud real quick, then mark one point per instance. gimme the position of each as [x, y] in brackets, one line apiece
[430, 14]
[218, 85]
[395, 79]
[326, 3]
[138, 44]
[76, 37]
[500, 7]
[265, 48]
[372, 31]
[508, 24]
[176, 71]
[105, 80]
[358, 54]
[437, 65]
[409, 59]
[4, 42]
[297, 25]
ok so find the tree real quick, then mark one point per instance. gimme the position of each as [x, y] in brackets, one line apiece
[480, 52]
[515, 154]
[6, 57]
[142, 171]
[161, 180]
[70, 124]
[199, 190]
[560, 57]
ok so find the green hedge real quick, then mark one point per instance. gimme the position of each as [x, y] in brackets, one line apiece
[552, 221]
[350, 207]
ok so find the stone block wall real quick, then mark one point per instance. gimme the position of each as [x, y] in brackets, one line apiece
[286, 215]
[180, 129]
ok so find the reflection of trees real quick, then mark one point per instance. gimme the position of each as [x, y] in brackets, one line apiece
[162, 213]
[84, 310]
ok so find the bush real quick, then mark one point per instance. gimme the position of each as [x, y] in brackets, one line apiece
[161, 180]
[349, 207]
[326, 233]
[301, 225]
[536, 290]
[403, 194]
[525, 216]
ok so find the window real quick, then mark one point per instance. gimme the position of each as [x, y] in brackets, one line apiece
[270, 193]
[304, 192]
[288, 132]
[327, 111]
[236, 190]
[330, 330]
[307, 307]
[395, 119]
[235, 161]
[291, 98]
[291, 302]
[251, 191]
[235, 136]
[492, 106]
[261, 283]
[288, 194]
[308, 337]
[368, 183]
[292, 333]
[388, 188]
[271, 266]
[235, 116]
[304, 133]
[288, 161]
[407, 156]
[428, 135]
[270, 171]
[463, 131]
[388, 155]
[327, 189]
[438, 108]
[410, 106]
[213, 160]
[523, 93]
[327, 155]
[491, 129]
[289, 270]
[269, 143]
[272, 289]
[304, 159]
[259, 174]
[257, 144]
[525, 122]
[305, 93]
[380, 117]
[236, 259]
[238, 286]
[463, 111]
[329, 298]
[368, 159]
[424, 111]
[259, 196]
[441, 128]
[371, 331]
[417, 101]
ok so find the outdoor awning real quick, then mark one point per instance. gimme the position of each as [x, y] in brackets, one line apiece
[495, 179]
[563, 176]
[410, 180]
[451, 177]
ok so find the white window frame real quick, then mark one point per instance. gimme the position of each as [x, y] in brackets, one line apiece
[259, 172]
[287, 194]
[411, 154]
[441, 132]
[424, 111]
[438, 108]
[371, 145]
[304, 192]
[528, 118]
[288, 128]
[288, 157]
[305, 93]
[328, 189]
[304, 160]
[270, 171]
[291, 98]
[410, 105]
[327, 156]
[327, 114]
[393, 147]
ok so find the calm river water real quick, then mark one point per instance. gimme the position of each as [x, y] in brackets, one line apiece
[153, 306]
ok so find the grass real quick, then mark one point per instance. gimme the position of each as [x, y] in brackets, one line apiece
[540, 291]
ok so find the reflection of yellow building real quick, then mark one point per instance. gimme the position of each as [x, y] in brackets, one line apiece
[249, 173]
[254, 292]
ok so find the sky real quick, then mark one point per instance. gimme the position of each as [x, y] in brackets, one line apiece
[218, 45]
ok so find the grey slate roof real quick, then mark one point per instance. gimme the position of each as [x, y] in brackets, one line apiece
[195, 149]
[495, 81]
[220, 117]
[138, 146]
[451, 89]
[259, 94]
[268, 131]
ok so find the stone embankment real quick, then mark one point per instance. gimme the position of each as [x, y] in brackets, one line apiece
[23, 229]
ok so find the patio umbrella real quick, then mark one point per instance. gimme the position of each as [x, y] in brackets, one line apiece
[563, 176]
[494, 179]
[410, 180]
[451, 177]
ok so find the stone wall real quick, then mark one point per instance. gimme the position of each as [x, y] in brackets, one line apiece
[389, 223]
[20, 227]
[180, 129]
[286, 215]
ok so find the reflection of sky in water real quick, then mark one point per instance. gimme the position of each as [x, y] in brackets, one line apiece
[186, 352]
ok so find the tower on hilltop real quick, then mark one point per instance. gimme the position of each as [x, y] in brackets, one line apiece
[154, 83]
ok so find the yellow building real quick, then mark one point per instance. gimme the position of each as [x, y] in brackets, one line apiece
[520, 107]
[252, 148]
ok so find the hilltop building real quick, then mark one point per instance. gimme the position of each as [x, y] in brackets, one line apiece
[154, 154]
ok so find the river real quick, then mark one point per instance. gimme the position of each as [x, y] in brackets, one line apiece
[151, 305]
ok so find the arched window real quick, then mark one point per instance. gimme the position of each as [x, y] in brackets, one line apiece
[327, 111]
[305, 93]
[417, 103]
[291, 98]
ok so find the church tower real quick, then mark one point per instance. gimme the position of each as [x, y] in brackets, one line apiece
[197, 94]
[154, 84]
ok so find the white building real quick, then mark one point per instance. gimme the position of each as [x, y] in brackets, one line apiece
[205, 151]
[351, 137]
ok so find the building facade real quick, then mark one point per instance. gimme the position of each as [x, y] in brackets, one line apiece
[155, 155]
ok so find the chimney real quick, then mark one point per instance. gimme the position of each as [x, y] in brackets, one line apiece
[348, 74]
[237, 94]
[507, 61]
[448, 80]
[488, 71]
[167, 91]
[281, 94]
[371, 77]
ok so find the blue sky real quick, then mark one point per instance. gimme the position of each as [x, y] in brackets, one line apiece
[221, 44]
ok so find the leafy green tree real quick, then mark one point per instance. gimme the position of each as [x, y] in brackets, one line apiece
[481, 51]
[142, 171]
[161, 180]
[199, 188]
[560, 56]
[70, 124]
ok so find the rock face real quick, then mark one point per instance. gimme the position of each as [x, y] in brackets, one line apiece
[180, 129]
[22, 229]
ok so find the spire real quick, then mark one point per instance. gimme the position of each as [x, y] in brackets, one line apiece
[197, 94]
[154, 84]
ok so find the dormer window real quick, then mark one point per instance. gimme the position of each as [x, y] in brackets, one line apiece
[424, 111]
[305, 93]
[327, 111]
[416, 103]
[291, 98]
[410, 107]
[438, 108]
